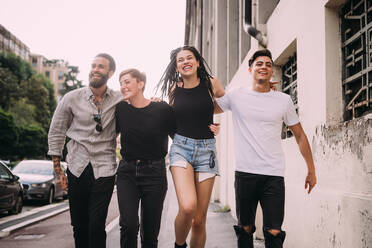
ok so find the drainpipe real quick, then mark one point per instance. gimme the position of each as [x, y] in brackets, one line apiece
[250, 24]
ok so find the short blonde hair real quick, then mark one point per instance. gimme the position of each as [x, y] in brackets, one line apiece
[139, 76]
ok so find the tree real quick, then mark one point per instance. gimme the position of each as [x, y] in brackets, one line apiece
[34, 143]
[27, 104]
[8, 135]
[37, 95]
[14, 71]
[71, 81]
[19, 67]
[52, 104]
[21, 141]
[23, 113]
[9, 88]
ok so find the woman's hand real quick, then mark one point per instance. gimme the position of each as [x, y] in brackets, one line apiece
[215, 128]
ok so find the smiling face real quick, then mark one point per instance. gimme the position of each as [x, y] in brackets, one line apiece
[187, 65]
[130, 86]
[262, 69]
[99, 72]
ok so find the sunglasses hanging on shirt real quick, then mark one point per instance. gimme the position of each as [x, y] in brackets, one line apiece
[97, 117]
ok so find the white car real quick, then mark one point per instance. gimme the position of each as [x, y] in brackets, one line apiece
[39, 180]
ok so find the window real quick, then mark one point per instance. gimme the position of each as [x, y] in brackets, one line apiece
[47, 74]
[356, 37]
[4, 173]
[34, 61]
[289, 86]
[6, 43]
[61, 75]
[11, 45]
[61, 86]
[17, 50]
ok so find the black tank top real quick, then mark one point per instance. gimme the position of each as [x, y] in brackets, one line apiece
[194, 112]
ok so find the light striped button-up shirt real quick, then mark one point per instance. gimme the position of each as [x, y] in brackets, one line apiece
[73, 118]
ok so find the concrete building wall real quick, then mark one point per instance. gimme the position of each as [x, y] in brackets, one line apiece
[338, 213]
[10, 43]
[52, 69]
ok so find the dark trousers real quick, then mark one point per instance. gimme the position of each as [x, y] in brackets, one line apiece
[89, 199]
[270, 192]
[144, 181]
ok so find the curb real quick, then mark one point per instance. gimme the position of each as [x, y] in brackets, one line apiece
[29, 220]
[8, 230]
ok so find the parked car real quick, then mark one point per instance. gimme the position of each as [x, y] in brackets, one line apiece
[38, 180]
[11, 191]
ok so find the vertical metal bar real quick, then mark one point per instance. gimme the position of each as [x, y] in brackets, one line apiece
[356, 81]
[367, 59]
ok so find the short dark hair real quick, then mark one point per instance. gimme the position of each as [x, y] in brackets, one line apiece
[259, 53]
[110, 59]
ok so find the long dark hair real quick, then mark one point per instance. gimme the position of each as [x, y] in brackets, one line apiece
[171, 76]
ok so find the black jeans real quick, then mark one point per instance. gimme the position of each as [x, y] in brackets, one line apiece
[145, 181]
[89, 199]
[270, 192]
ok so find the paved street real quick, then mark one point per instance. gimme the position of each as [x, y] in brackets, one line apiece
[54, 232]
[220, 233]
[57, 232]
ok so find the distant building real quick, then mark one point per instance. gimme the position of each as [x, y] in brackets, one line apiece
[10, 43]
[53, 69]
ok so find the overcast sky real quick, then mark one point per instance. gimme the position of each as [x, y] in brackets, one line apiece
[137, 33]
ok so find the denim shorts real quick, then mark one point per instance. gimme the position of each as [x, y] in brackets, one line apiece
[199, 153]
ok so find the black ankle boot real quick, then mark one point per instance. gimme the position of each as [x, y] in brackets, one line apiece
[245, 239]
[180, 246]
[274, 241]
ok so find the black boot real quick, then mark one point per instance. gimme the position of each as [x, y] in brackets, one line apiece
[180, 246]
[245, 239]
[274, 241]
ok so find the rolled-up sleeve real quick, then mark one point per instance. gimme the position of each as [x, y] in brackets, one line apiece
[61, 121]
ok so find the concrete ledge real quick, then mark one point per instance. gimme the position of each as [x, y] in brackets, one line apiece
[16, 222]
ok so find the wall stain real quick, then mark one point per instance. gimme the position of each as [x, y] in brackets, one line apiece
[354, 135]
[366, 222]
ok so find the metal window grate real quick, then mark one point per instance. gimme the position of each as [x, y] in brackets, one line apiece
[356, 33]
[289, 86]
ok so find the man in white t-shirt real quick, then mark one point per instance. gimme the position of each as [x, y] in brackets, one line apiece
[258, 114]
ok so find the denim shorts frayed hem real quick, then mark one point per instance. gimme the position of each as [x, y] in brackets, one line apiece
[199, 153]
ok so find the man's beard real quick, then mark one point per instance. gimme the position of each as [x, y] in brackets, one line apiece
[97, 83]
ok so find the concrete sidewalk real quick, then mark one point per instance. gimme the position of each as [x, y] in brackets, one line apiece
[220, 233]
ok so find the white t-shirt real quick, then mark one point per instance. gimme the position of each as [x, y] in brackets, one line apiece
[258, 119]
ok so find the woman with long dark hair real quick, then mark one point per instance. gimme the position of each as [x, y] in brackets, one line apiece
[191, 90]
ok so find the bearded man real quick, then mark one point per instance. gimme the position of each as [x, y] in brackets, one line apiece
[87, 116]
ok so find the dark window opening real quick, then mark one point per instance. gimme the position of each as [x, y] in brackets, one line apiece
[356, 35]
[289, 86]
